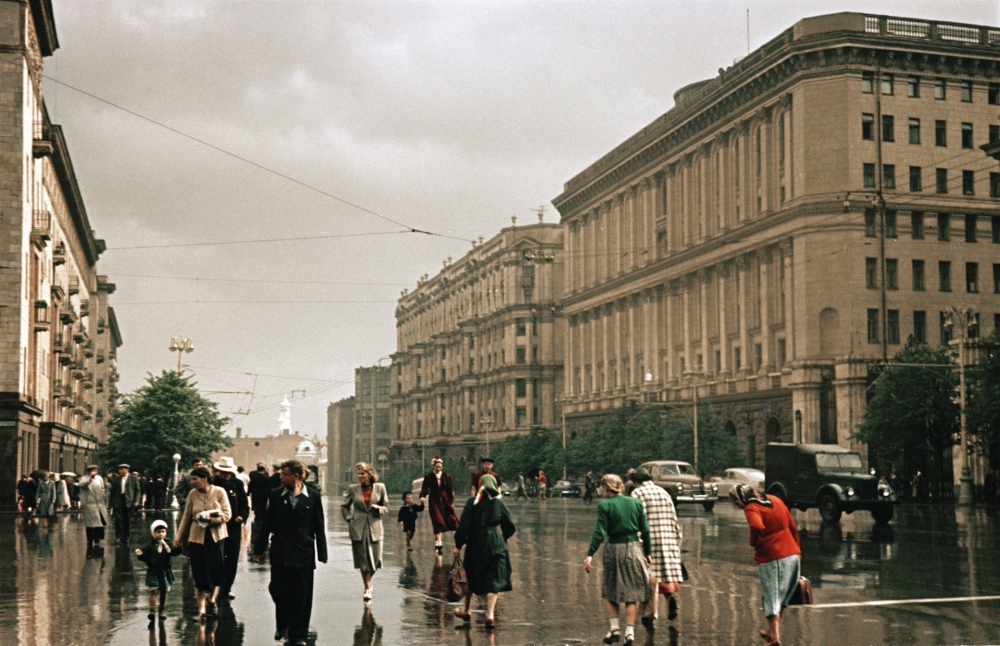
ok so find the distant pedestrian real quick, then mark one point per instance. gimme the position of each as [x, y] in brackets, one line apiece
[486, 467]
[157, 491]
[143, 489]
[22, 491]
[487, 561]
[775, 539]
[542, 485]
[297, 531]
[259, 489]
[243, 477]
[364, 506]
[665, 546]
[225, 478]
[183, 487]
[276, 479]
[625, 579]
[159, 574]
[407, 517]
[437, 492]
[95, 517]
[203, 524]
[918, 486]
[74, 493]
[45, 498]
[62, 491]
[589, 486]
[125, 496]
[520, 492]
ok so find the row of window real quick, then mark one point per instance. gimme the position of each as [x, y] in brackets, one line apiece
[940, 130]
[520, 420]
[918, 270]
[914, 83]
[917, 179]
[917, 228]
[892, 335]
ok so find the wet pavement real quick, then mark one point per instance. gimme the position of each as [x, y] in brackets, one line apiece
[51, 593]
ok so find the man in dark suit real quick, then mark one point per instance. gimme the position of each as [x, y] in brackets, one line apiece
[225, 477]
[260, 487]
[158, 492]
[275, 480]
[124, 496]
[294, 524]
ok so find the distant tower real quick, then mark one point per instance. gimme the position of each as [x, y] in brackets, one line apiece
[285, 418]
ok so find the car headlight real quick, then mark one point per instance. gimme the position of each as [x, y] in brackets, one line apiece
[850, 492]
[680, 488]
[715, 488]
[885, 493]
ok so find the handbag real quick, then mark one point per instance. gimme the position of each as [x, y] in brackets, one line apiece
[803, 595]
[458, 582]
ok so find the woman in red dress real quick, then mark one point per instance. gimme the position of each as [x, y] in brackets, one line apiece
[441, 506]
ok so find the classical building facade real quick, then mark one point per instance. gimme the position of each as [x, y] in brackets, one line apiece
[372, 418]
[340, 442]
[479, 348]
[58, 334]
[786, 224]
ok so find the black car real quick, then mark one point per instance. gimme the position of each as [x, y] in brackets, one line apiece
[565, 489]
[826, 476]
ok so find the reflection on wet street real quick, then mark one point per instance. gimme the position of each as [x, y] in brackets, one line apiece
[51, 592]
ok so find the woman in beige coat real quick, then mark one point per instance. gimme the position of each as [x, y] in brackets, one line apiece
[364, 505]
[203, 523]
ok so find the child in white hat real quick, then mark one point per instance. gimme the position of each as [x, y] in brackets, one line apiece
[159, 573]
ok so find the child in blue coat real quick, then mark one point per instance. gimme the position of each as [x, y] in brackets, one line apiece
[159, 573]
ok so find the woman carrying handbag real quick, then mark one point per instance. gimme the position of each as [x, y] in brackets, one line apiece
[487, 561]
[364, 506]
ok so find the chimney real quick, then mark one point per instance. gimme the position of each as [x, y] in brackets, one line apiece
[239, 432]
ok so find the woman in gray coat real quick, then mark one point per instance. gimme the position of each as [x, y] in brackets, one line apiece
[95, 510]
[46, 498]
[364, 505]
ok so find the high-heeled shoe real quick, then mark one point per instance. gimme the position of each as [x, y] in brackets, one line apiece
[490, 623]
[612, 638]
[464, 616]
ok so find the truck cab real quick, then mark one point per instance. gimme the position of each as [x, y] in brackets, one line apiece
[828, 477]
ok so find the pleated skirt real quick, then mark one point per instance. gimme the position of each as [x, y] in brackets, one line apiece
[625, 577]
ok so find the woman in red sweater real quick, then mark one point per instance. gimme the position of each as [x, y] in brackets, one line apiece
[775, 540]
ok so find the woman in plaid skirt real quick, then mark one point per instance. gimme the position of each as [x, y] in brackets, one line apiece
[620, 521]
[665, 548]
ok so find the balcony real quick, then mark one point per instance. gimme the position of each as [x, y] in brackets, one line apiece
[100, 356]
[74, 285]
[79, 374]
[41, 145]
[68, 317]
[41, 228]
[100, 386]
[43, 316]
[59, 254]
[88, 348]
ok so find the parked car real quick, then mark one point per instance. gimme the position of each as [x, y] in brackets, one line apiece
[682, 483]
[828, 477]
[737, 476]
[565, 489]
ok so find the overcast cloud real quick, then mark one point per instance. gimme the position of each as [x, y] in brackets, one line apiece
[449, 117]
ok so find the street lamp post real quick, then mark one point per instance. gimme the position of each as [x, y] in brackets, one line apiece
[962, 318]
[173, 489]
[180, 345]
[562, 409]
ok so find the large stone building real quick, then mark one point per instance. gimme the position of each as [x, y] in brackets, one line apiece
[58, 335]
[479, 348]
[340, 442]
[737, 249]
[372, 418]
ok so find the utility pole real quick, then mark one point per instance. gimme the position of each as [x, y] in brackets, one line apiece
[962, 318]
[694, 422]
[562, 408]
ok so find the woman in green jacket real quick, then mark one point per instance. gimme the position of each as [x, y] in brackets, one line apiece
[487, 562]
[620, 522]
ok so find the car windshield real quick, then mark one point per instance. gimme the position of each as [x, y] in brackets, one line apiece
[848, 461]
[685, 469]
[668, 469]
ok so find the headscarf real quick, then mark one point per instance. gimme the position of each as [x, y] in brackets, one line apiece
[746, 495]
[437, 459]
[487, 484]
[160, 545]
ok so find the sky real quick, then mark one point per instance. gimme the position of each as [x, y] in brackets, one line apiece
[446, 117]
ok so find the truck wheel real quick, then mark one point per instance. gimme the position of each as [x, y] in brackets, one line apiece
[778, 492]
[829, 508]
[708, 505]
[882, 513]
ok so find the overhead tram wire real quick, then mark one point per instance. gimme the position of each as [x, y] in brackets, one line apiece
[258, 281]
[263, 240]
[407, 228]
[237, 302]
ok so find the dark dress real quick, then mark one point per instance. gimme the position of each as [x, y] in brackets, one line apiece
[159, 573]
[408, 516]
[440, 502]
[487, 562]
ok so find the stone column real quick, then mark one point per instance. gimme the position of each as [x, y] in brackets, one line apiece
[654, 333]
[617, 340]
[669, 208]
[570, 357]
[725, 349]
[743, 304]
[595, 331]
[686, 287]
[789, 313]
[766, 333]
[631, 305]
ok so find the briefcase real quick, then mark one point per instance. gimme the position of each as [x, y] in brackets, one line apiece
[803, 595]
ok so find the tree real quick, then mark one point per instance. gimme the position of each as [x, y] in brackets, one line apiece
[717, 449]
[983, 407]
[163, 417]
[539, 449]
[912, 408]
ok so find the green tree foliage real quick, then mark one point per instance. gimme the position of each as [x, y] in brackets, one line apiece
[912, 407]
[983, 391]
[632, 435]
[163, 417]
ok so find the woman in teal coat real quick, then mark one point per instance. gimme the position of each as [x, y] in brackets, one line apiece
[487, 562]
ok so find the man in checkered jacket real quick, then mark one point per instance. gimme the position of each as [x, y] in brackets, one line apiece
[665, 575]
